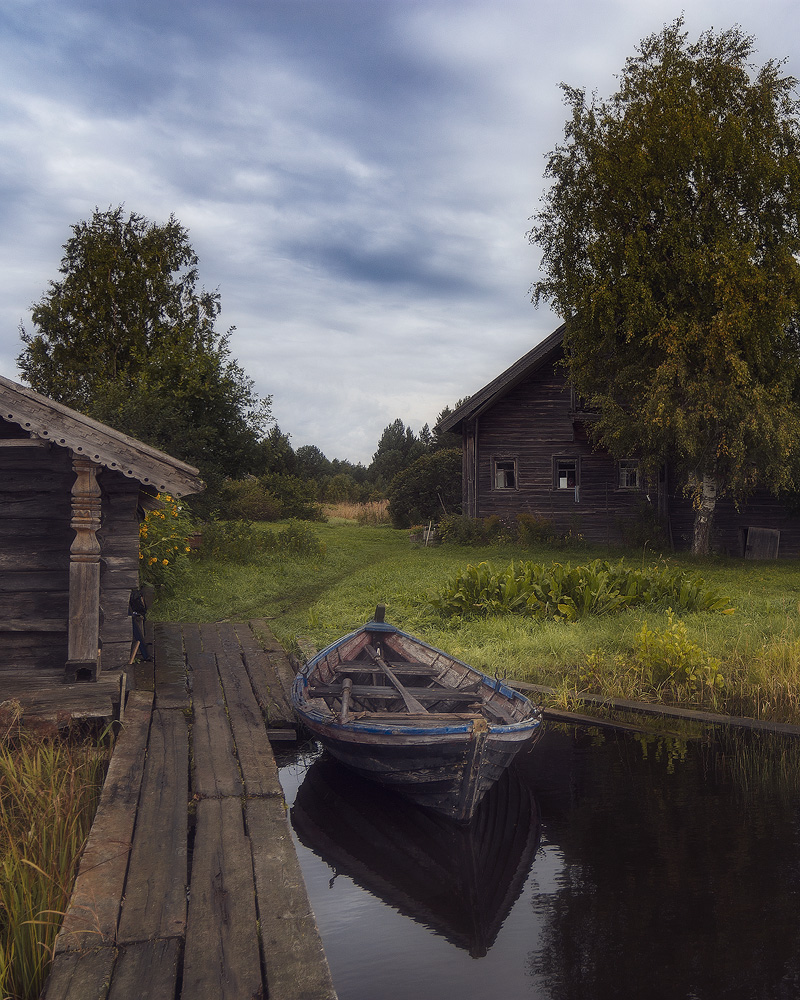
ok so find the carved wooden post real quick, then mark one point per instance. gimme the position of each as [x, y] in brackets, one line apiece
[83, 655]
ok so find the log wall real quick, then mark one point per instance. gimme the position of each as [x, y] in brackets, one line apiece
[35, 537]
[533, 424]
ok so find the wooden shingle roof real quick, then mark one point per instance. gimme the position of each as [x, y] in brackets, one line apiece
[48, 420]
[486, 397]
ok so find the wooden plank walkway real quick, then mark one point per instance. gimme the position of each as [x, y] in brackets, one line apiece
[190, 887]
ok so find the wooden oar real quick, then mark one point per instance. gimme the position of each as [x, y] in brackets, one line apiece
[411, 702]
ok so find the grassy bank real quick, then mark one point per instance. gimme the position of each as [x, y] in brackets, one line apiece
[48, 794]
[314, 599]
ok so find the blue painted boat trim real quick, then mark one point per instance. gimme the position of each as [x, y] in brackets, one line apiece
[300, 685]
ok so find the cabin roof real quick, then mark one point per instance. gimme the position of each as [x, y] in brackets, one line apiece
[48, 420]
[486, 397]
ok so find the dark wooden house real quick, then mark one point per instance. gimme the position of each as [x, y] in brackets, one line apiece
[526, 450]
[71, 495]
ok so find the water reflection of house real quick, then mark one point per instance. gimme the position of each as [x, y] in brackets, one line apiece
[71, 495]
[526, 450]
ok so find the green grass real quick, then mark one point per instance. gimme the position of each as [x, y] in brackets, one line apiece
[315, 600]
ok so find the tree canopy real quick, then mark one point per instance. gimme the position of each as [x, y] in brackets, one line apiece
[670, 237]
[128, 337]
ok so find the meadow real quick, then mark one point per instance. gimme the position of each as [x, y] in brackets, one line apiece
[745, 662]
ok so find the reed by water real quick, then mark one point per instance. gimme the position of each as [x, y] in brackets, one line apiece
[49, 787]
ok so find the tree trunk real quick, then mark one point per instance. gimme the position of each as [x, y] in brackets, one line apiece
[705, 502]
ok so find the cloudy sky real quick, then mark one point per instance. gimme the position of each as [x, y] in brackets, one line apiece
[356, 176]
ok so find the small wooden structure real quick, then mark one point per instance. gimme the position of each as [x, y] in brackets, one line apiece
[71, 497]
[526, 450]
[442, 743]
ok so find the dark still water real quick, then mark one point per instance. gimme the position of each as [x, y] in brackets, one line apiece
[603, 865]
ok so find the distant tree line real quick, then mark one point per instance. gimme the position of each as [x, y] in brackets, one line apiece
[127, 336]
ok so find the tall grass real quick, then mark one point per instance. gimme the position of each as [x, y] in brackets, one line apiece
[315, 601]
[374, 512]
[48, 794]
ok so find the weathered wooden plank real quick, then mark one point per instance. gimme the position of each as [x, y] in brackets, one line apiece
[34, 625]
[383, 693]
[117, 629]
[155, 890]
[170, 672]
[214, 763]
[277, 655]
[265, 682]
[121, 579]
[38, 603]
[119, 539]
[191, 641]
[221, 959]
[80, 975]
[33, 505]
[41, 460]
[45, 699]
[762, 543]
[26, 442]
[210, 639]
[294, 960]
[97, 895]
[51, 530]
[47, 580]
[253, 749]
[30, 481]
[148, 969]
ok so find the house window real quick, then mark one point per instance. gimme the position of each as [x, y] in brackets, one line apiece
[505, 474]
[566, 473]
[628, 478]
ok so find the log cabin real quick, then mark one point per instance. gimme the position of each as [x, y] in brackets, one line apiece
[72, 492]
[526, 450]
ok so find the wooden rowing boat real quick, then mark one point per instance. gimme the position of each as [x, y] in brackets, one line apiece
[413, 718]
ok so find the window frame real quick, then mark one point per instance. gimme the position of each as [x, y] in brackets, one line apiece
[627, 465]
[514, 470]
[575, 459]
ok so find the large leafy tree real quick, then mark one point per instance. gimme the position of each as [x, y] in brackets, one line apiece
[127, 336]
[670, 237]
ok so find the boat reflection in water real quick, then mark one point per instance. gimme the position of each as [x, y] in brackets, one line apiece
[460, 881]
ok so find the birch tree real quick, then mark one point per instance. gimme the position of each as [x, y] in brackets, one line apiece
[670, 236]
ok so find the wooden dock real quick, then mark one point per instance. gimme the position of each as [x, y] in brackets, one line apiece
[190, 887]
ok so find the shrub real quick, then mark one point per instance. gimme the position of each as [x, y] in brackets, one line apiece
[297, 497]
[249, 500]
[526, 530]
[295, 539]
[561, 591]
[429, 487]
[242, 542]
[670, 659]
[460, 530]
[534, 530]
[163, 542]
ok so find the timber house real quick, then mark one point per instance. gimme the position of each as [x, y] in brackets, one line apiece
[526, 450]
[72, 492]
